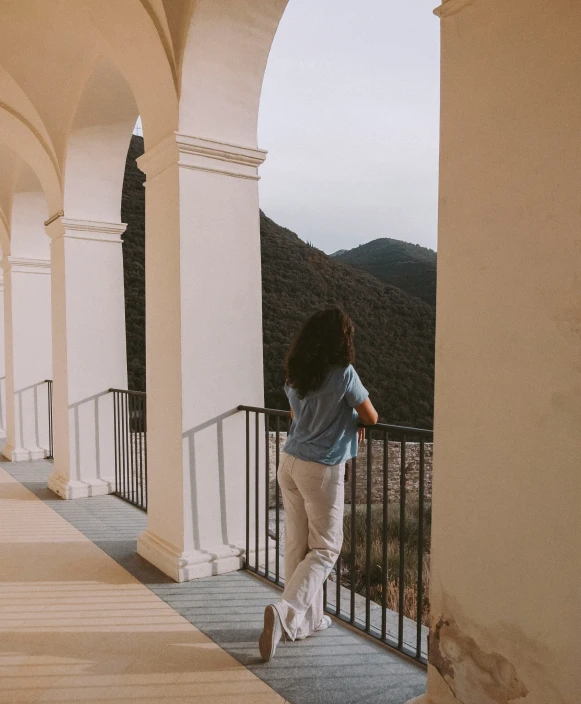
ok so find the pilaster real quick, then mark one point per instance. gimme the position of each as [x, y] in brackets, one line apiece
[89, 351]
[504, 559]
[27, 356]
[204, 348]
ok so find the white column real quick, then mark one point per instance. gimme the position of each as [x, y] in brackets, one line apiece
[27, 346]
[204, 349]
[2, 364]
[89, 353]
[506, 548]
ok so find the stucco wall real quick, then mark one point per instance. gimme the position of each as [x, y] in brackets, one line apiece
[505, 538]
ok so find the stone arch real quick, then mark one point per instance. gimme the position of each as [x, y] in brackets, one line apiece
[97, 146]
[28, 143]
[147, 62]
[223, 66]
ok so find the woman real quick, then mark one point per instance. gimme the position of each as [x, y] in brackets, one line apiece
[327, 402]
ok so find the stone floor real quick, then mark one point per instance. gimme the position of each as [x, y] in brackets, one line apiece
[79, 623]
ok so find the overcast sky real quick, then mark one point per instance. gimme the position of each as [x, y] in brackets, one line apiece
[349, 116]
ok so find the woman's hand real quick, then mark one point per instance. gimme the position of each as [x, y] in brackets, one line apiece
[360, 435]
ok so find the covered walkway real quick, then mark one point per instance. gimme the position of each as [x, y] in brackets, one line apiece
[84, 618]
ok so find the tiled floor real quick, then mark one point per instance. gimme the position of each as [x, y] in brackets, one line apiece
[137, 643]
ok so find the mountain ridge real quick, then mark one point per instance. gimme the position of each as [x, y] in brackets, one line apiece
[407, 266]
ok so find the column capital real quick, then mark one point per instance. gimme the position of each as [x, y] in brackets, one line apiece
[201, 154]
[94, 230]
[451, 7]
[25, 265]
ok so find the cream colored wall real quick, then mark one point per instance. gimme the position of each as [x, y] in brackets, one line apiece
[221, 295]
[204, 350]
[28, 357]
[27, 333]
[2, 365]
[28, 238]
[89, 353]
[507, 487]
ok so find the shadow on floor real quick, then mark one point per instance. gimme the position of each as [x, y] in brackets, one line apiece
[335, 666]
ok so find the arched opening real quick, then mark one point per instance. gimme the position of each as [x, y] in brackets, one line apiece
[88, 283]
[349, 115]
[97, 145]
[27, 320]
[352, 137]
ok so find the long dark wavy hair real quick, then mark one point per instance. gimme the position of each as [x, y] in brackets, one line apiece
[324, 341]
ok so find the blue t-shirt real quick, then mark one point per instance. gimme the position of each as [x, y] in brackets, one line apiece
[324, 428]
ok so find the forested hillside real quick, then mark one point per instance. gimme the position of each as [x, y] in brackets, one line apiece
[407, 266]
[394, 332]
[133, 213]
[394, 338]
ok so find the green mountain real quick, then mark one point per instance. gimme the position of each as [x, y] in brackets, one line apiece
[394, 332]
[133, 213]
[407, 266]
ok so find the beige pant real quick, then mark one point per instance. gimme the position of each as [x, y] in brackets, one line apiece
[313, 498]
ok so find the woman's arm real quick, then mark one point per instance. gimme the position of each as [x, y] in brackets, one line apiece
[367, 414]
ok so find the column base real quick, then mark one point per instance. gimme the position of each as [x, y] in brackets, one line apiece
[21, 454]
[74, 489]
[183, 567]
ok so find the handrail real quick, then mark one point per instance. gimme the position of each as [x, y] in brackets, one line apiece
[270, 411]
[399, 428]
[128, 391]
[377, 426]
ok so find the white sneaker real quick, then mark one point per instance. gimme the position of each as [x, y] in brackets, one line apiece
[325, 623]
[271, 634]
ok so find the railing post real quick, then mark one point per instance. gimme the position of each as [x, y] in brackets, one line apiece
[247, 553]
[353, 535]
[266, 490]
[401, 585]
[384, 554]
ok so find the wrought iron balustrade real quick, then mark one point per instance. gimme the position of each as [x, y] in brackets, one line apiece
[130, 423]
[379, 584]
[50, 455]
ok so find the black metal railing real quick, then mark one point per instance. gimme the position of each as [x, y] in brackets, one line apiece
[130, 422]
[379, 583]
[50, 428]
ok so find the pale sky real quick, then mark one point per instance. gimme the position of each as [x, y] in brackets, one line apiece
[349, 116]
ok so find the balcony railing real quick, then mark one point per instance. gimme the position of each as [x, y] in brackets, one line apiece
[50, 429]
[130, 423]
[379, 584]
